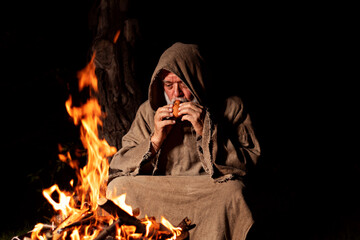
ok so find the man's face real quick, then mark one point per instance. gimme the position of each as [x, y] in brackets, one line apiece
[176, 89]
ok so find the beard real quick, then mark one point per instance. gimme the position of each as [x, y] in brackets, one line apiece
[171, 101]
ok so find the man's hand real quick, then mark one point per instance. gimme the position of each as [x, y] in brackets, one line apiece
[162, 125]
[193, 113]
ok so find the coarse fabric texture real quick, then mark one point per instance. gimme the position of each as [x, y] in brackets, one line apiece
[226, 150]
[218, 210]
[228, 145]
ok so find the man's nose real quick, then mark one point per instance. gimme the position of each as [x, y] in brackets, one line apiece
[178, 92]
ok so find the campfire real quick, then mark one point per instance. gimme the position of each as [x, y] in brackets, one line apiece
[86, 213]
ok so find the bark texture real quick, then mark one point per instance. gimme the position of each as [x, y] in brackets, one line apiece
[114, 44]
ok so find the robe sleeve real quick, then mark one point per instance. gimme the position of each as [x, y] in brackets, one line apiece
[238, 139]
[229, 147]
[135, 157]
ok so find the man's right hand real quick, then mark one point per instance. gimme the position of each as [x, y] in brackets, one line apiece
[162, 125]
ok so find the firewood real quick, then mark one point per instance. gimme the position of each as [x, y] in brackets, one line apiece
[107, 231]
[126, 219]
[123, 216]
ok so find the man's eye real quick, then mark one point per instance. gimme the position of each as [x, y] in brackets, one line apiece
[168, 85]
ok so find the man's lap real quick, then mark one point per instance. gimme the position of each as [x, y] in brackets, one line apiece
[218, 209]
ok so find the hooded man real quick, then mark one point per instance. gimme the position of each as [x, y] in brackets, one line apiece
[191, 165]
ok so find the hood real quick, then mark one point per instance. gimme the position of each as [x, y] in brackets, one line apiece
[186, 62]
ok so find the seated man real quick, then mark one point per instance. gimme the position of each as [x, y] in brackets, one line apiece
[190, 166]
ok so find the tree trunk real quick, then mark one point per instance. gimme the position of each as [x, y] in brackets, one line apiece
[114, 45]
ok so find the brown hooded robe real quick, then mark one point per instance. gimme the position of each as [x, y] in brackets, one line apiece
[194, 176]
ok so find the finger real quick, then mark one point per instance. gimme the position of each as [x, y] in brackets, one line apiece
[165, 109]
[198, 125]
[187, 118]
[189, 111]
[163, 112]
[163, 115]
[165, 123]
[167, 106]
[193, 106]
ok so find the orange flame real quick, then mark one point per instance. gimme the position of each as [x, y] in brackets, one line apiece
[87, 76]
[64, 201]
[92, 177]
[120, 201]
[151, 227]
[175, 230]
[36, 232]
[116, 37]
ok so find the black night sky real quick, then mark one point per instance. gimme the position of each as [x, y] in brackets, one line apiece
[273, 56]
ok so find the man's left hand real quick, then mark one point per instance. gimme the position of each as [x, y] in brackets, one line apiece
[194, 113]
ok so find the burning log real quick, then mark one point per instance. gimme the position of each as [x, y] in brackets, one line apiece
[108, 231]
[47, 229]
[143, 229]
[185, 225]
[123, 217]
[161, 233]
[82, 217]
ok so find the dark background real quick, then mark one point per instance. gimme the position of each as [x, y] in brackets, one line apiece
[275, 56]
